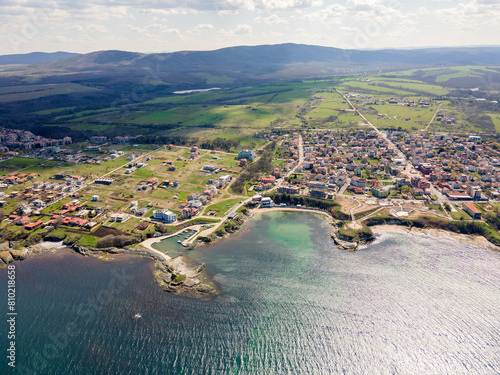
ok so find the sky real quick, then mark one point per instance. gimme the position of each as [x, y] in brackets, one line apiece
[173, 25]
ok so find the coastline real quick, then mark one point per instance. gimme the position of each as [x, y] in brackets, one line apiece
[173, 274]
[478, 241]
[474, 240]
[257, 211]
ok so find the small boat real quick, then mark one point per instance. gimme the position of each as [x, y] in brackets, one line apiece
[179, 241]
[137, 316]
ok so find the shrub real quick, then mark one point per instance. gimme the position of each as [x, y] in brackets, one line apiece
[117, 241]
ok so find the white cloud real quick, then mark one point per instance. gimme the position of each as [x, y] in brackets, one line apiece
[202, 27]
[271, 20]
[243, 29]
[146, 25]
[98, 28]
[169, 12]
[235, 4]
[287, 4]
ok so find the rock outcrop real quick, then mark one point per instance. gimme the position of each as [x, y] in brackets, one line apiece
[6, 257]
[194, 282]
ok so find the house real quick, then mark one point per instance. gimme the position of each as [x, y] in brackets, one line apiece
[192, 196]
[288, 190]
[189, 212]
[457, 195]
[34, 225]
[472, 210]
[22, 220]
[425, 168]
[104, 181]
[268, 180]
[380, 192]
[474, 191]
[246, 154]
[266, 202]
[74, 221]
[152, 181]
[143, 226]
[224, 180]
[314, 193]
[209, 168]
[256, 198]
[358, 182]
[165, 215]
[119, 218]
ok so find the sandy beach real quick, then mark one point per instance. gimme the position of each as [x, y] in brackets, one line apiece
[256, 211]
[469, 239]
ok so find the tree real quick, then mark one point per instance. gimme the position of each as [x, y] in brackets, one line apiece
[405, 189]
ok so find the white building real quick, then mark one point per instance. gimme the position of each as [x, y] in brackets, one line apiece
[224, 180]
[165, 215]
[246, 154]
[266, 202]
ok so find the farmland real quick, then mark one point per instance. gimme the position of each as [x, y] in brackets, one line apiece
[189, 141]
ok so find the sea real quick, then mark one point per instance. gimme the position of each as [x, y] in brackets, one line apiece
[290, 302]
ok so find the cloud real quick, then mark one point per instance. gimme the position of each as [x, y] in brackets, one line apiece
[423, 10]
[330, 15]
[235, 4]
[243, 29]
[172, 6]
[98, 28]
[169, 12]
[271, 20]
[471, 14]
[202, 27]
[287, 4]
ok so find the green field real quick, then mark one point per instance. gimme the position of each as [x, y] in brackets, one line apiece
[222, 207]
[495, 117]
[15, 164]
[29, 92]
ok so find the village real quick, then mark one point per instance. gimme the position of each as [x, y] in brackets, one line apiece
[117, 188]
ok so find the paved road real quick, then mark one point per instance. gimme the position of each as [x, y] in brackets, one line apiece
[291, 171]
[237, 206]
[409, 170]
[344, 187]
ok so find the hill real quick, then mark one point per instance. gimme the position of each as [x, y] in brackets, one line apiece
[33, 58]
[239, 65]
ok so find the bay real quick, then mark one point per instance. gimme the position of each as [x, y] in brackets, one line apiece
[290, 303]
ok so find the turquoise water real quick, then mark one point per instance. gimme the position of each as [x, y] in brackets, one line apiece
[290, 303]
[171, 246]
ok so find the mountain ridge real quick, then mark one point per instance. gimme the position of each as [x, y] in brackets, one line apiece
[240, 65]
[33, 57]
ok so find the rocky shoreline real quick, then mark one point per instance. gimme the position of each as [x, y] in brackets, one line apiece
[174, 276]
[171, 273]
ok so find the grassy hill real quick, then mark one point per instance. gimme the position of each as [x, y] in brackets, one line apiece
[262, 87]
